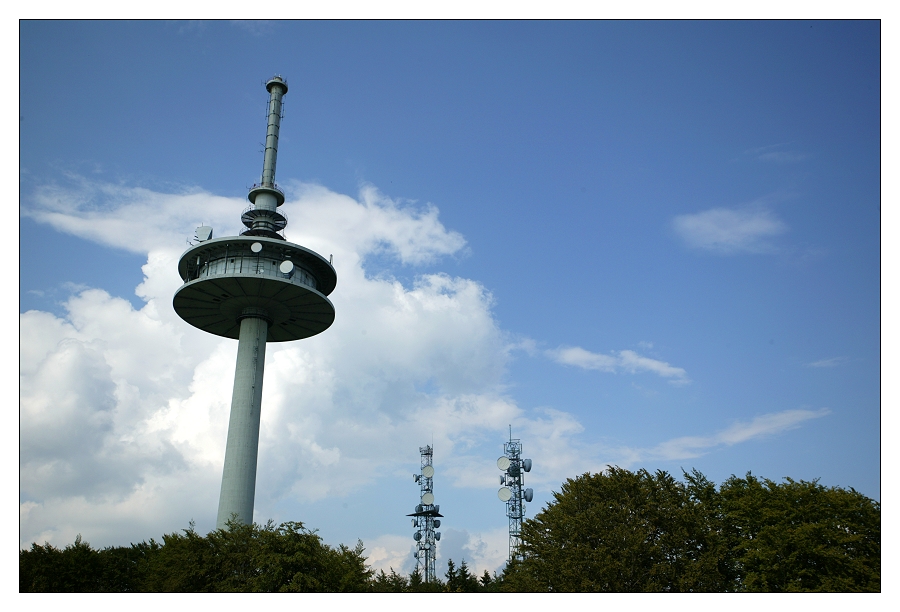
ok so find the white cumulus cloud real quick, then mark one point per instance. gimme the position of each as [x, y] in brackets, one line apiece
[124, 410]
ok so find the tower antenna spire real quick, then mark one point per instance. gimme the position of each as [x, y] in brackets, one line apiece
[277, 87]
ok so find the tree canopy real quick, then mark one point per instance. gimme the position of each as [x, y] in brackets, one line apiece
[247, 558]
[628, 531]
[616, 531]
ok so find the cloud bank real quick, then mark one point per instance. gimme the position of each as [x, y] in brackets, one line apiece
[124, 410]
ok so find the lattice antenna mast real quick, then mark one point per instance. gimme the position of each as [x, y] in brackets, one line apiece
[426, 517]
[513, 491]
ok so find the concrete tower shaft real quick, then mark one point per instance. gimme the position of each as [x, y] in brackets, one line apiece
[242, 447]
[256, 288]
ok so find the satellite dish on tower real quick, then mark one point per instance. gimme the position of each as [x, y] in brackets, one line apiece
[503, 463]
[504, 494]
[427, 471]
[526, 465]
[529, 495]
[428, 499]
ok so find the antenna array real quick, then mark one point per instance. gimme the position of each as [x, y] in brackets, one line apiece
[513, 492]
[426, 518]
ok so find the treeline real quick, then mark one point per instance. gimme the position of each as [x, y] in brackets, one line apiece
[618, 531]
[624, 531]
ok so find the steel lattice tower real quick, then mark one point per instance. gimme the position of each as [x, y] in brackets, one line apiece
[255, 288]
[513, 491]
[426, 518]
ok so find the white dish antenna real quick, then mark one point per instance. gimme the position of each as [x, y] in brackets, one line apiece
[503, 463]
[287, 267]
[504, 494]
[256, 247]
[427, 471]
[428, 499]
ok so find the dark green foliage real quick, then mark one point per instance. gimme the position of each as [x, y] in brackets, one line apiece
[801, 536]
[635, 531]
[616, 531]
[460, 580]
[489, 584]
[245, 558]
[75, 569]
[389, 583]
[417, 584]
[622, 532]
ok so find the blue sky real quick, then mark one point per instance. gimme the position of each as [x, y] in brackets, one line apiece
[646, 244]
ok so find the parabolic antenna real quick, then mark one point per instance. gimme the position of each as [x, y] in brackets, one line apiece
[428, 499]
[427, 471]
[529, 495]
[286, 267]
[437, 522]
[526, 465]
[256, 247]
[504, 494]
[417, 536]
[503, 463]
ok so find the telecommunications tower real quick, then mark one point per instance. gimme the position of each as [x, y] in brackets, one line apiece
[255, 288]
[426, 518]
[512, 491]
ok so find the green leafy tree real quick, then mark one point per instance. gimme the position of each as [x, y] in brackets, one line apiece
[636, 531]
[246, 558]
[802, 536]
[254, 558]
[46, 569]
[621, 531]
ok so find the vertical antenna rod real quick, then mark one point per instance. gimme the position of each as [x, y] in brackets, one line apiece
[276, 87]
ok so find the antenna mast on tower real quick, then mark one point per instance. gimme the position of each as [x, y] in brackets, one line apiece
[513, 492]
[426, 518]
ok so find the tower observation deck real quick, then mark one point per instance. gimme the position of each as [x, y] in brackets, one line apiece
[255, 288]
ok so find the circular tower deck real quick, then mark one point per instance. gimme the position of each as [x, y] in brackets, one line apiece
[228, 279]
